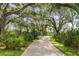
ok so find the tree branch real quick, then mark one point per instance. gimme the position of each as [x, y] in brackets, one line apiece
[72, 6]
[17, 11]
[5, 8]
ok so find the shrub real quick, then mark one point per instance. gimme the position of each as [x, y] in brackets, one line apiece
[72, 38]
[60, 37]
[12, 41]
[20, 41]
[69, 38]
[30, 36]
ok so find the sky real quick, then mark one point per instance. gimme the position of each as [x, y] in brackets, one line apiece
[12, 5]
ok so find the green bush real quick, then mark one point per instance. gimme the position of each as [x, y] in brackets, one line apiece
[69, 38]
[16, 40]
[20, 41]
[72, 38]
[60, 37]
[13, 41]
[30, 36]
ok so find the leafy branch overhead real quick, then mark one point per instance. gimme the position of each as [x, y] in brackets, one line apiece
[36, 11]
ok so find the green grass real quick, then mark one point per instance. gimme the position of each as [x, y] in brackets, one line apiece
[66, 50]
[10, 52]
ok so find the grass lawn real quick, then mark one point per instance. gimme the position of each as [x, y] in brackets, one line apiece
[66, 50]
[10, 52]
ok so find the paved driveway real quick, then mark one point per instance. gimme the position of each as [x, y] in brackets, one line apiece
[42, 47]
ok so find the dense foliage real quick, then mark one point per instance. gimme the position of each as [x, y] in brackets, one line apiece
[30, 20]
[69, 38]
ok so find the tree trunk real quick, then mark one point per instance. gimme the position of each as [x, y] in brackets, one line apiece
[2, 30]
[2, 26]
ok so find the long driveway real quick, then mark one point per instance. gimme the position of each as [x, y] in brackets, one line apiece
[42, 47]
